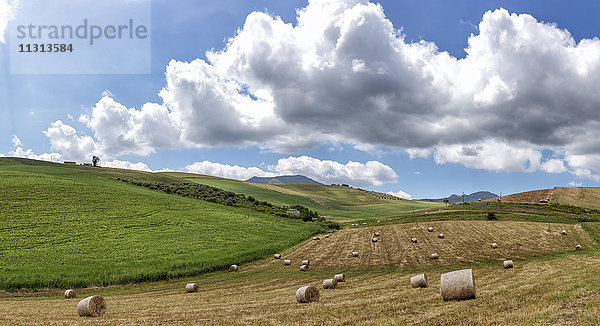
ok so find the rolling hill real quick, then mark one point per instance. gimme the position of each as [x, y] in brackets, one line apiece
[453, 199]
[78, 226]
[338, 202]
[284, 180]
[584, 197]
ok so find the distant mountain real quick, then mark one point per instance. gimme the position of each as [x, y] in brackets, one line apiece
[483, 195]
[284, 180]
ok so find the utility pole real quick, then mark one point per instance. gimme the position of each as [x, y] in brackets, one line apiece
[463, 197]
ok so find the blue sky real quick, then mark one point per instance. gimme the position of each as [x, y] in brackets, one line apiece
[185, 30]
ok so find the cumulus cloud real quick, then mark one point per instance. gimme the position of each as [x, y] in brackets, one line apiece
[372, 173]
[227, 171]
[344, 72]
[7, 12]
[64, 139]
[126, 165]
[400, 194]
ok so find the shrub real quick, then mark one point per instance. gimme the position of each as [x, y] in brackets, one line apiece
[492, 216]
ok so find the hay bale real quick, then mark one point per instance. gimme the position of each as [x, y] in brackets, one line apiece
[191, 287]
[233, 268]
[287, 262]
[329, 283]
[430, 229]
[305, 262]
[376, 234]
[93, 306]
[508, 264]
[316, 238]
[304, 268]
[441, 235]
[578, 247]
[458, 285]
[277, 256]
[355, 254]
[494, 245]
[418, 281]
[374, 240]
[70, 294]
[307, 294]
[563, 232]
[414, 240]
[326, 236]
[340, 277]
[434, 256]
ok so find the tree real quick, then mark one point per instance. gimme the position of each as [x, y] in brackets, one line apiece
[95, 160]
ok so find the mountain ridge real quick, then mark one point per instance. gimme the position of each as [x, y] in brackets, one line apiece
[454, 198]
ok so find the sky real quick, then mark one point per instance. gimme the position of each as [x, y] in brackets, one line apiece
[415, 98]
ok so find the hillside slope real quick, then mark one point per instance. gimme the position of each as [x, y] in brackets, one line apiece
[335, 201]
[77, 226]
[284, 180]
[586, 197]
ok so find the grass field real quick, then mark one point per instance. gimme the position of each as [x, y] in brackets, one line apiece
[335, 201]
[550, 288]
[64, 226]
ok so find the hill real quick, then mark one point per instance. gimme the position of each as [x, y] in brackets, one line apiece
[453, 199]
[527, 197]
[586, 197]
[65, 226]
[338, 202]
[284, 180]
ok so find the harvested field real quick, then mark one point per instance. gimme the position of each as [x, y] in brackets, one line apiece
[586, 197]
[528, 197]
[538, 292]
[465, 241]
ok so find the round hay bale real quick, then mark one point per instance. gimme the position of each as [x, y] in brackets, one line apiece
[277, 256]
[329, 283]
[441, 235]
[70, 294]
[93, 306]
[376, 234]
[340, 277]
[305, 262]
[458, 285]
[287, 262]
[315, 238]
[233, 268]
[430, 229]
[307, 294]
[414, 240]
[434, 256]
[191, 287]
[355, 254]
[494, 245]
[374, 240]
[508, 264]
[326, 236]
[578, 247]
[418, 281]
[304, 268]
[563, 232]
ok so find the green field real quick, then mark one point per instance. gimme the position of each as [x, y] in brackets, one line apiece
[334, 201]
[72, 226]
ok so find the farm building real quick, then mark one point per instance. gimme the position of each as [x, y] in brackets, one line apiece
[293, 211]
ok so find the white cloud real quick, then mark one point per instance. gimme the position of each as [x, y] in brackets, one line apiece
[16, 141]
[7, 12]
[64, 139]
[226, 171]
[343, 72]
[575, 184]
[372, 173]
[126, 165]
[400, 194]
